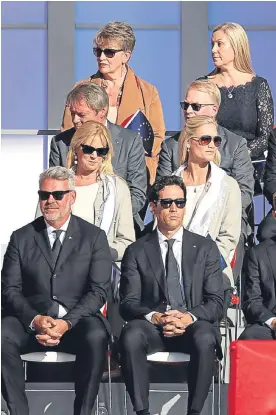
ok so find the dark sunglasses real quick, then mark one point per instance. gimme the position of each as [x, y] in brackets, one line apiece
[195, 107]
[166, 203]
[57, 194]
[101, 152]
[204, 140]
[109, 53]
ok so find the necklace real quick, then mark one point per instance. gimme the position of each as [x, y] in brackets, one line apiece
[230, 95]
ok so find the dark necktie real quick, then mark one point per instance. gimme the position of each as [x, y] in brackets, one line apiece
[56, 246]
[173, 277]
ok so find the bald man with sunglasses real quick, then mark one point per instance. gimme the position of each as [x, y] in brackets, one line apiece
[171, 293]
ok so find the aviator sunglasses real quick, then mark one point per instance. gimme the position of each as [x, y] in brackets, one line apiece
[195, 106]
[57, 194]
[166, 203]
[101, 152]
[204, 140]
[109, 53]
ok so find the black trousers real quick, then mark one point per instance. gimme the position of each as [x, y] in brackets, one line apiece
[140, 338]
[88, 339]
[257, 332]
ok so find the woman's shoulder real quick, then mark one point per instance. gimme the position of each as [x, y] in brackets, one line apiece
[95, 78]
[231, 182]
[119, 182]
[141, 83]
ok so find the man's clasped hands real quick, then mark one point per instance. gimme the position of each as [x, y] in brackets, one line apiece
[49, 330]
[173, 322]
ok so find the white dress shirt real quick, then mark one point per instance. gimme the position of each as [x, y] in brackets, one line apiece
[177, 251]
[52, 237]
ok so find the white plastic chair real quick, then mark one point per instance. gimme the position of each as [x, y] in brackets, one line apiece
[60, 357]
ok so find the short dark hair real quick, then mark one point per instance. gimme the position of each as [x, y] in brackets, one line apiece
[163, 182]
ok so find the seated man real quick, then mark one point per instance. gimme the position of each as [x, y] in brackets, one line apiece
[89, 102]
[172, 298]
[260, 290]
[267, 228]
[56, 276]
[203, 98]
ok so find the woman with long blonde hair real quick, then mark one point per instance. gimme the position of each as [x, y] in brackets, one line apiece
[103, 198]
[213, 207]
[246, 100]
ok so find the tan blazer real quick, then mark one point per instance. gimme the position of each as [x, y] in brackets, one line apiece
[137, 94]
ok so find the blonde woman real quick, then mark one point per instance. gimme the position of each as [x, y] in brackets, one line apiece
[113, 47]
[213, 207]
[103, 198]
[246, 102]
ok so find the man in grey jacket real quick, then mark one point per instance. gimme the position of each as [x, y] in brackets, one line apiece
[203, 98]
[89, 102]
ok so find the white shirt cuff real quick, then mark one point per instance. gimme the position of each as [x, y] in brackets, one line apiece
[269, 322]
[193, 317]
[149, 316]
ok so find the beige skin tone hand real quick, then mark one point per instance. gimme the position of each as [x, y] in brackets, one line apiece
[174, 322]
[53, 334]
[273, 324]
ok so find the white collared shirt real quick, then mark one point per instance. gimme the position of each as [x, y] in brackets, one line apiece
[177, 251]
[52, 237]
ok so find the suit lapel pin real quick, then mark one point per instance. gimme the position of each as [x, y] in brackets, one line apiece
[70, 237]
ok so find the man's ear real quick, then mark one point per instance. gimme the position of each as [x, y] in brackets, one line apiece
[152, 207]
[274, 213]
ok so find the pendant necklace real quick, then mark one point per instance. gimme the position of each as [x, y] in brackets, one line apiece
[230, 95]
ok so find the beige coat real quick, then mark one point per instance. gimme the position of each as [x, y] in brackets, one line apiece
[225, 226]
[137, 94]
[122, 232]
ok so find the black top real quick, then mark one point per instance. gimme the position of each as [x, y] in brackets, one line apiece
[248, 113]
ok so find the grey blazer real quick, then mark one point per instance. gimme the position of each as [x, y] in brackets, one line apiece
[235, 161]
[128, 160]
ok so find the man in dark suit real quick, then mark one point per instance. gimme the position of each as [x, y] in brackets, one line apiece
[89, 102]
[203, 98]
[56, 277]
[171, 293]
[260, 290]
[267, 228]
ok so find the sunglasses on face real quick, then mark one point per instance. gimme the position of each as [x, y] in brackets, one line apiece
[101, 152]
[204, 140]
[57, 194]
[109, 53]
[166, 203]
[195, 106]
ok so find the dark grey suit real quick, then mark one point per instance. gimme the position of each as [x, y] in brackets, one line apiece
[143, 289]
[260, 291]
[128, 160]
[31, 282]
[235, 161]
[267, 228]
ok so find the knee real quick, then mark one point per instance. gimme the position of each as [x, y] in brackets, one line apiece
[131, 338]
[95, 337]
[204, 338]
[8, 335]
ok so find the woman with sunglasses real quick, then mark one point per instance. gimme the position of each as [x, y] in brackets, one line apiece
[213, 207]
[127, 93]
[103, 199]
